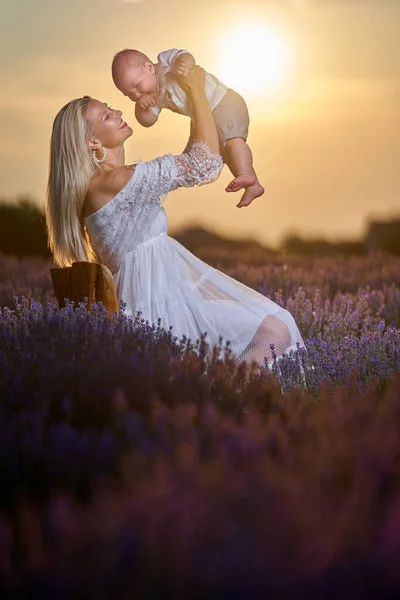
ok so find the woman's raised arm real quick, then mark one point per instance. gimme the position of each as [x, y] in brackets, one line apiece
[201, 165]
[203, 125]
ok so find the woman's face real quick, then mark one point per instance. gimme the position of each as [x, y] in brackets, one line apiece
[108, 127]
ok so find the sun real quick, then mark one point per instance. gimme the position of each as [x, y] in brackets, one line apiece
[253, 58]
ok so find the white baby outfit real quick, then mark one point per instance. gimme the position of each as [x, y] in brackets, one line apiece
[171, 94]
[229, 108]
[158, 276]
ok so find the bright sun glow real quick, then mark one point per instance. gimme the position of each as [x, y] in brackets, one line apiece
[253, 59]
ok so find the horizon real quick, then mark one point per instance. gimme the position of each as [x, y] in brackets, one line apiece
[190, 227]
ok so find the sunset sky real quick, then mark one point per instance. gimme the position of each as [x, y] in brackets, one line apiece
[321, 79]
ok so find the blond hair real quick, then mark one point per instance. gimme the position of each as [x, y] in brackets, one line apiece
[72, 166]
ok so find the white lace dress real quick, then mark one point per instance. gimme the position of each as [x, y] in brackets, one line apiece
[158, 276]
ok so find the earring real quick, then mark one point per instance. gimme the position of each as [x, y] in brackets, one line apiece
[100, 160]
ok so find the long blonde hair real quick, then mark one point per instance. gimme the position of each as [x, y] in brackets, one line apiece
[72, 166]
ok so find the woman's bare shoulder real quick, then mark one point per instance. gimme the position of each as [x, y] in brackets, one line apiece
[105, 186]
[112, 181]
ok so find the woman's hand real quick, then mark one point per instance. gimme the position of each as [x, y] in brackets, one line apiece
[194, 82]
[203, 125]
[184, 64]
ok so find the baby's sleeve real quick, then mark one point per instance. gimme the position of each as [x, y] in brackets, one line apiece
[156, 110]
[168, 57]
[199, 166]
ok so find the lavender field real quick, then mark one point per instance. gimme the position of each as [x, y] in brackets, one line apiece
[137, 465]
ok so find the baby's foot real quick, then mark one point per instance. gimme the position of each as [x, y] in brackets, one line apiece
[251, 192]
[241, 181]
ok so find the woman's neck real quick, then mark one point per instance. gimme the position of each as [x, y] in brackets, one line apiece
[115, 157]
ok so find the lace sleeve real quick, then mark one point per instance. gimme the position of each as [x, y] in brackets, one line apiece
[199, 166]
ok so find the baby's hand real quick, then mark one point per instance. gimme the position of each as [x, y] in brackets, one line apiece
[147, 101]
[184, 64]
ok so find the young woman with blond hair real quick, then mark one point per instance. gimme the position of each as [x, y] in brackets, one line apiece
[100, 209]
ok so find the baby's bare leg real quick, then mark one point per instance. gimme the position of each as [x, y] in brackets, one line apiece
[239, 159]
[237, 155]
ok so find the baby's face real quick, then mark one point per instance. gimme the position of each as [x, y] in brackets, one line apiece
[136, 81]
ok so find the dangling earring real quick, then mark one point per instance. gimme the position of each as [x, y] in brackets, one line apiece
[100, 160]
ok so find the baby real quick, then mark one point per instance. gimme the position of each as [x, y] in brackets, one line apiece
[153, 87]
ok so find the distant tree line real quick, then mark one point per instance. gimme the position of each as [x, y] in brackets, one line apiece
[23, 229]
[380, 236]
[23, 233]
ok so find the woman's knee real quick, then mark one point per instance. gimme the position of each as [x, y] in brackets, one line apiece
[275, 331]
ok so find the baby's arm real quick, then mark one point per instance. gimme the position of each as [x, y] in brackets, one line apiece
[183, 64]
[146, 116]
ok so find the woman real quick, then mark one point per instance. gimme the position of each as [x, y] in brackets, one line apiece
[99, 209]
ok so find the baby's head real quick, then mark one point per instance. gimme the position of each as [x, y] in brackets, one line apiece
[134, 74]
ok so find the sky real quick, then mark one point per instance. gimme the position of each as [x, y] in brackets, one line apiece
[321, 79]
